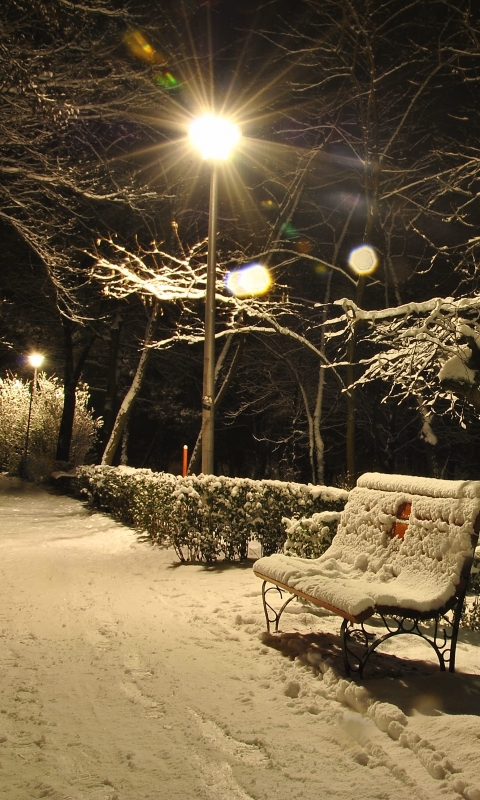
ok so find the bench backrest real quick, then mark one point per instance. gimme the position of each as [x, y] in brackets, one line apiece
[393, 523]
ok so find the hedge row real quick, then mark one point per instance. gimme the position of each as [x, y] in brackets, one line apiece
[204, 517]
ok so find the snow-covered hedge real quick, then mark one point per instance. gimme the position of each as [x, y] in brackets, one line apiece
[205, 517]
[310, 537]
[471, 611]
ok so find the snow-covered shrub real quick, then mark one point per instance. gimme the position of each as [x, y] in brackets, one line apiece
[46, 413]
[474, 582]
[471, 611]
[471, 615]
[206, 517]
[310, 537]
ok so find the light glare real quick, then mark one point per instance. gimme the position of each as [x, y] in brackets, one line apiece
[363, 260]
[251, 280]
[35, 360]
[214, 137]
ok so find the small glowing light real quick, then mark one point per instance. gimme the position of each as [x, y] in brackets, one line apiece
[214, 137]
[251, 280]
[363, 260]
[35, 360]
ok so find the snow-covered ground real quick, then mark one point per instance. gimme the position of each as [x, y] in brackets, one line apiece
[126, 676]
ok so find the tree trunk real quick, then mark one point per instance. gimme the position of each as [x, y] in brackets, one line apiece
[317, 428]
[110, 405]
[71, 377]
[132, 394]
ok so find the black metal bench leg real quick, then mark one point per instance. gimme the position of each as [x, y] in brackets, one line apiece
[352, 662]
[271, 614]
[343, 633]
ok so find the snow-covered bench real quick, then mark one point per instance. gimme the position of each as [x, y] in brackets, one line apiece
[403, 550]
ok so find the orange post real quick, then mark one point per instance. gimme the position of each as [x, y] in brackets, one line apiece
[185, 460]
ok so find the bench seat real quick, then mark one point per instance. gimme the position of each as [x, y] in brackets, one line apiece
[404, 546]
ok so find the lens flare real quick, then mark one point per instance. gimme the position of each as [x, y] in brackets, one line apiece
[268, 204]
[250, 280]
[141, 48]
[363, 260]
[166, 80]
[288, 230]
[303, 246]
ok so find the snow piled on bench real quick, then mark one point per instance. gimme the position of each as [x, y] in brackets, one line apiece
[431, 487]
[367, 566]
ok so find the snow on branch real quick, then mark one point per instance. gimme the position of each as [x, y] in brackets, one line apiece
[169, 278]
[429, 349]
[447, 306]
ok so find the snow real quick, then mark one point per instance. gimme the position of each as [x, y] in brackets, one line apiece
[455, 369]
[125, 675]
[431, 487]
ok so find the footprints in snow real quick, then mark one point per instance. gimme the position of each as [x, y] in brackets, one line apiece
[216, 768]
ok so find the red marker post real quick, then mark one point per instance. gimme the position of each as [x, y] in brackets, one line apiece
[185, 460]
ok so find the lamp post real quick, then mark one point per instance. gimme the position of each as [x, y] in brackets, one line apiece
[215, 138]
[363, 260]
[35, 360]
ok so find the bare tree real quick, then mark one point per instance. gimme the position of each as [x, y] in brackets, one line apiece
[128, 401]
[390, 127]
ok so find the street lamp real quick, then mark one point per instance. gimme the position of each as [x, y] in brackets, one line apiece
[214, 137]
[35, 360]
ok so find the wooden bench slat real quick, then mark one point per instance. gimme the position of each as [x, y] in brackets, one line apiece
[320, 603]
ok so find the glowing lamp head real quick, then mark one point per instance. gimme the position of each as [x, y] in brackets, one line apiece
[250, 280]
[35, 360]
[214, 137]
[363, 260]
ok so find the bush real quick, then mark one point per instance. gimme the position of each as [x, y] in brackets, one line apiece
[205, 517]
[471, 610]
[310, 537]
[46, 413]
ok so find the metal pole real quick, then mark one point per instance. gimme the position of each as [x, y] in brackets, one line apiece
[208, 400]
[24, 473]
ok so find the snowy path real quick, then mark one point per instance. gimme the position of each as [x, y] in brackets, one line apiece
[124, 676]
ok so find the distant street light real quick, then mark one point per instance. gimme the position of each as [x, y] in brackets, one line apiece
[35, 360]
[214, 137]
